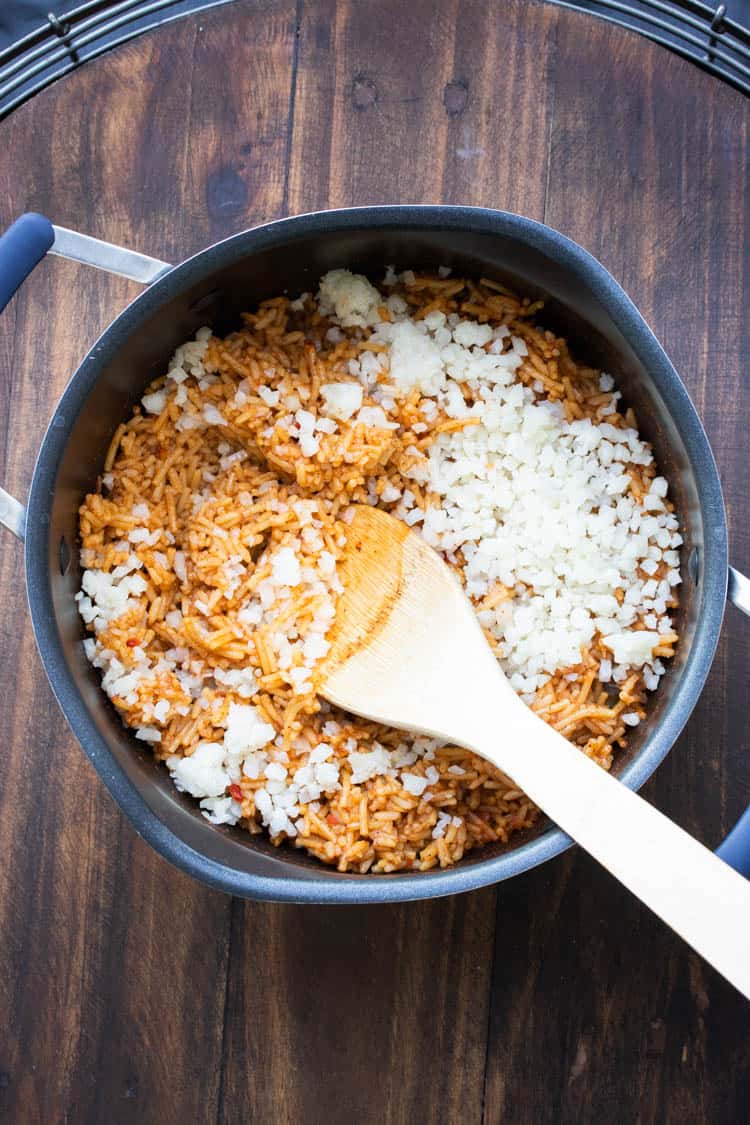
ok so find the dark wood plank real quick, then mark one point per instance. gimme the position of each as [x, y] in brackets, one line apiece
[130, 993]
[431, 119]
[366, 129]
[364, 122]
[115, 965]
[499, 104]
[648, 175]
[599, 1014]
[367, 1014]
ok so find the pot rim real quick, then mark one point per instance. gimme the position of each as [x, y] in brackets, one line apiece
[331, 886]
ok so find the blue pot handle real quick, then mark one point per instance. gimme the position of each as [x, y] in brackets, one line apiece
[736, 848]
[22, 247]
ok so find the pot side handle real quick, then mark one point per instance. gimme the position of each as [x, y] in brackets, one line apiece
[29, 238]
[735, 850]
[22, 247]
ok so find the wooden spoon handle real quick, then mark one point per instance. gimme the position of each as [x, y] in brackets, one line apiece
[694, 892]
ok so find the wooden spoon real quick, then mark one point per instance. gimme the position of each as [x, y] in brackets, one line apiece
[407, 650]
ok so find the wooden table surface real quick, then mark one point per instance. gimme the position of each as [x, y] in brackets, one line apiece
[128, 992]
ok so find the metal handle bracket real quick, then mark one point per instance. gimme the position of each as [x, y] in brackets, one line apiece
[738, 590]
[106, 256]
[12, 514]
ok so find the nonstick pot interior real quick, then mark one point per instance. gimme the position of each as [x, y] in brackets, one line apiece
[581, 302]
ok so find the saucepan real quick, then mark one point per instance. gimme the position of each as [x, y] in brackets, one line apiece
[582, 302]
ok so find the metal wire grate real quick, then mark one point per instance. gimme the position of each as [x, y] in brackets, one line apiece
[63, 42]
[706, 35]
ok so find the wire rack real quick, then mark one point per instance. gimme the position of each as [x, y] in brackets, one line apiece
[706, 35]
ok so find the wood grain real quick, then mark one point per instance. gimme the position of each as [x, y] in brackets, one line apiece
[128, 992]
[368, 1014]
[646, 172]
